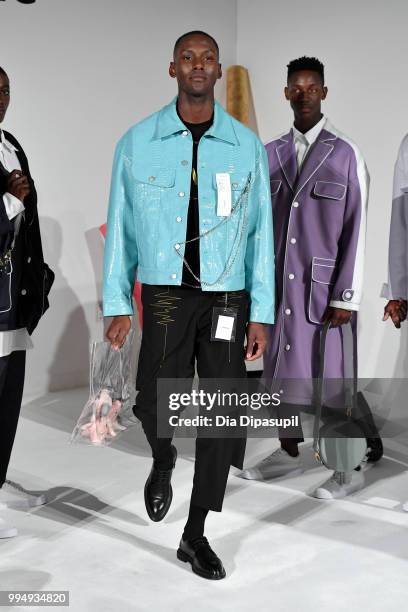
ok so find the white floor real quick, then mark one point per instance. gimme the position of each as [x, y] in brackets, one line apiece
[283, 550]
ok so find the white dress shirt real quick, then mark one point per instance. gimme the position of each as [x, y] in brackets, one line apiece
[303, 142]
[16, 339]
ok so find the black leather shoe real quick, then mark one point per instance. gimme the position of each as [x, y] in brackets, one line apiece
[202, 558]
[158, 492]
[376, 450]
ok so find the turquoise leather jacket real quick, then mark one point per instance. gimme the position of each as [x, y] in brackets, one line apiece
[148, 207]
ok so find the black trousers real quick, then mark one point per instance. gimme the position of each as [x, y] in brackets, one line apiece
[12, 371]
[177, 334]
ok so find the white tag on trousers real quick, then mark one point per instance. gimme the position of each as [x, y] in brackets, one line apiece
[223, 180]
[225, 325]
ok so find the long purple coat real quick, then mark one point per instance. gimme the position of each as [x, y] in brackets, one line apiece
[319, 226]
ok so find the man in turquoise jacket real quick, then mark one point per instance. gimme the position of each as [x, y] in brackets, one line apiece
[190, 216]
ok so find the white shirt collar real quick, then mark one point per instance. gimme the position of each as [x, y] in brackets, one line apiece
[311, 136]
[5, 143]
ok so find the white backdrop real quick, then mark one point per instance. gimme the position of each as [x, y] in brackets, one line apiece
[83, 71]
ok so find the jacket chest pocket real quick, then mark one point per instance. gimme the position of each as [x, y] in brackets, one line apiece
[151, 187]
[6, 271]
[330, 191]
[323, 277]
[152, 194]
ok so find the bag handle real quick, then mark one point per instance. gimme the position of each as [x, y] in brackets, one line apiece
[350, 373]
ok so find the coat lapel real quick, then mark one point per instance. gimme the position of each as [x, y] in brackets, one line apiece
[315, 158]
[287, 159]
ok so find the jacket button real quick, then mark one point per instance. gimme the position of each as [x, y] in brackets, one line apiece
[23, 292]
[287, 347]
[185, 133]
[291, 276]
[178, 219]
[184, 162]
[293, 240]
[295, 204]
[181, 194]
[152, 178]
[177, 246]
[28, 259]
[174, 276]
[288, 311]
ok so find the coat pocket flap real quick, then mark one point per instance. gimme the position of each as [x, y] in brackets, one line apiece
[323, 270]
[327, 189]
[156, 177]
[275, 186]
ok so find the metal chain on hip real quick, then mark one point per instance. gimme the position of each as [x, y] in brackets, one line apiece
[243, 199]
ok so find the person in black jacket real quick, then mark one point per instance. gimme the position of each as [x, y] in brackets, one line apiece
[25, 281]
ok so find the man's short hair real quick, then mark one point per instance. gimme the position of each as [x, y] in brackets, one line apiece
[3, 72]
[193, 33]
[306, 63]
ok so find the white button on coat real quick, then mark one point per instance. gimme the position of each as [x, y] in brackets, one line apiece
[177, 246]
[288, 311]
[181, 194]
[291, 276]
[178, 219]
[184, 133]
[174, 276]
[23, 292]
[287, 347]
[295, 204]
[293, 240]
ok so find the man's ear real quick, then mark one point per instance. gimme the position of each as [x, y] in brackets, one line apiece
[325, 91]
[286, 91]
[172, 70]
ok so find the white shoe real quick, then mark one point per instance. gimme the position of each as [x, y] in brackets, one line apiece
[7, 530]
[340, 484]
[13, 495]
[278, 463]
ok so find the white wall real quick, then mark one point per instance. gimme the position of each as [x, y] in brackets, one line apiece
[81, 73]
[364, 46]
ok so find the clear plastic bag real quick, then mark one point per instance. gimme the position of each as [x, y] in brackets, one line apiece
[108, 410]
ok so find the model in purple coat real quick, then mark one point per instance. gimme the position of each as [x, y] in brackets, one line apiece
[319, 186]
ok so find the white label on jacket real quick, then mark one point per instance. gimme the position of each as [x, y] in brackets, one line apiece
[224, 329]
[224, 194]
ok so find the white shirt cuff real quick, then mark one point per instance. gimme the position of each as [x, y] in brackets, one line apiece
[13, 205]
[344, 305]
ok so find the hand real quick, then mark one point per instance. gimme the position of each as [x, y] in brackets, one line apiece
[256, 340]
[397, 311]
[118, 330]
[338, 316]
[18, 185]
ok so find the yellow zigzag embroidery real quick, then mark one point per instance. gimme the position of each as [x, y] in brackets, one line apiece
[165, 304]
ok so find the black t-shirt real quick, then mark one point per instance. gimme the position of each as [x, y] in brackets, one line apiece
[192, 249]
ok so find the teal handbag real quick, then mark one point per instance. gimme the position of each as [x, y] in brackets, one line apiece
[340, 444]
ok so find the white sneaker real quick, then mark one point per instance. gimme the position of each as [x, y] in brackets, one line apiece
[13, 495]
[278, 463]
[340, 484]
[7, 530]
